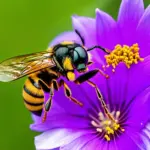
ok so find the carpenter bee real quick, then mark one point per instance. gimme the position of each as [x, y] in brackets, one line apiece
[45, 68]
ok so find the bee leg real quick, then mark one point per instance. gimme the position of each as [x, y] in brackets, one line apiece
[68, 92]
[85, 78]
[100, 97]
[89, 75]
[55, 84]
[47, 105]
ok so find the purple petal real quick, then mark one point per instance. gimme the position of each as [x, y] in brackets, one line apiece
[80, 143]
[129, 15]
[87, 28]
[107, 32]
[97, 144]
[90, 142]
[135, 139]
[139, 114]
[146, 136]
[143, 33]
[56, 138]
[35, 117]
[138, 78]
[137, 123]
[124, 142]
[115, 87]
[66, 36]
[125, 84]
[139, 140]
[60, 117]
[61, 121]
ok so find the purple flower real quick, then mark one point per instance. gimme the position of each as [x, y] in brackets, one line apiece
[126, 92]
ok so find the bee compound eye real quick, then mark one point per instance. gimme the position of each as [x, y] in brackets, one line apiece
[81, 52]
[61, 52]
[75, 56]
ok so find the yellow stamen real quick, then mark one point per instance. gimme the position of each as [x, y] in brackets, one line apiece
[106, 125]
[109, 130]
[107, 137]
[125, 54]
[107, 122]
[116, 126]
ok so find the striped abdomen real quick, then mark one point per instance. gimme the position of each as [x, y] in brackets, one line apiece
[33, 96]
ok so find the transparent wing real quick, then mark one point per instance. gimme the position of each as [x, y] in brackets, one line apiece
[19, 66]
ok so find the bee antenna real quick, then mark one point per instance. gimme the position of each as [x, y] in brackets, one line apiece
[82, 39]
[105, 50]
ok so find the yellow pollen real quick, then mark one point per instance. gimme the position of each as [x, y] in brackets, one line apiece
[116, 126]
[125, 54]
[107, 137]
[107, 122]
[107, 126]
[109, 130]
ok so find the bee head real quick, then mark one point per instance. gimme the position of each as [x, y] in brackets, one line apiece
[72, 57]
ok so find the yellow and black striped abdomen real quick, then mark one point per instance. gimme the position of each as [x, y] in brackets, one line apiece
[33, 96]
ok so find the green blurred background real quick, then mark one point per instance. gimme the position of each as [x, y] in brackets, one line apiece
[28, 26]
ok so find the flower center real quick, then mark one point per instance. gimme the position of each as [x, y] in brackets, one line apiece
[125, 54]
[106, 126]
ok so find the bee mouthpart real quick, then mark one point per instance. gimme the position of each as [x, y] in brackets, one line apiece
[83, 71]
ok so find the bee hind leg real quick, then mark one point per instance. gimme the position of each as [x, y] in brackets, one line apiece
[68, 93]
[47, 105]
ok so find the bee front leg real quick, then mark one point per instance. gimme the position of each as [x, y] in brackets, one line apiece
[68, 92]
[85, 78]
[100, 97]
[89, 75]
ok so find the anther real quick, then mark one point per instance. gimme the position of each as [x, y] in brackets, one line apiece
[117, 114]
[99, 130]
[125, 54]
[107, 137]
[101, 116]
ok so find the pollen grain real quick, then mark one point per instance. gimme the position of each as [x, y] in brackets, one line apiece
[128, 55]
